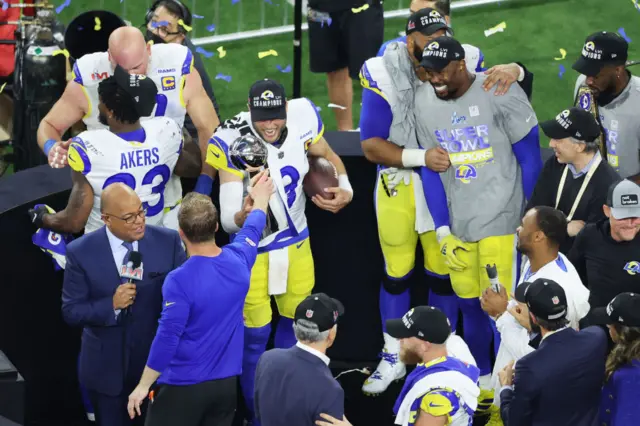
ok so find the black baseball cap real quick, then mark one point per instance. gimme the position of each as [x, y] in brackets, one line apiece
[624, 199]
[321, 310]
[141, 88]
[267, 101]
[427, 21]
[624, 309]
[424, 322]
[601, 49]
[572, 123]
[545, 298]
[440, 52]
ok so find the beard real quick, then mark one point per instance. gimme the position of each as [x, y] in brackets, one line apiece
[409, 357]
[103, 119]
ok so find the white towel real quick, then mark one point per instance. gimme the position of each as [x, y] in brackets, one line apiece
[424, 221]
[278, 270]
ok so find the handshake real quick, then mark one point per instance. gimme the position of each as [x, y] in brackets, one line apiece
[260, 190]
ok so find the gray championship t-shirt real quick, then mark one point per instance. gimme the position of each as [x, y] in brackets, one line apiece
[484, 182]
[621, 122]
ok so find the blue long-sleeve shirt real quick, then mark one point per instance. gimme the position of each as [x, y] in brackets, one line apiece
[619, 402]
[201, 331]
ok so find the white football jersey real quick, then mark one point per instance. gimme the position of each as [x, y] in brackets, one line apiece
[288, 165]
[144, 160]
[168, 66]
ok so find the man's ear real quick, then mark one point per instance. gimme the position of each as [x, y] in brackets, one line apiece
[607, 210]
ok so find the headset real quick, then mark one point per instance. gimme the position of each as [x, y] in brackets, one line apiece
[186, 14]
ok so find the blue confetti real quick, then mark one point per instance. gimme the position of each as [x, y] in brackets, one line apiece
[197, 16]
[5, 6]
[60, 8]
[562, 71]
[226, 78]
[206, 53]
[328, 21]
[318, 108]
[624, 35]
[159, 24]
[235, 1]
[211, 28]
[268, 1]
[287, 69]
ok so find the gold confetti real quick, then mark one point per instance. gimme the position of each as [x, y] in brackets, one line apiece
[497, 29]
[360, 9]
[2, 87]
[64, 52]
[221, 52]
[563, 54]
[267, 53]
[183, 25]
[98, 25]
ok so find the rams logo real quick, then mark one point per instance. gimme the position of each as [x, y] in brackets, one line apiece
[466, 173]
[590, 46]
[434, 45]
[267, 95]
[54, 239]
[434, 14]
[168, 82]
[78, 158]
[585, 101]
[632, 267]
[565, 113]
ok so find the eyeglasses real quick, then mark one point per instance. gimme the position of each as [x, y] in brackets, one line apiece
[131, 217]
[163, 30]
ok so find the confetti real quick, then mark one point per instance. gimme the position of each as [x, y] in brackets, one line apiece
[159, 24]
[222, 52]
[226, 78]
[5, 6]
[336, 106]
[197, 16]
[563, 54]
[624, 35]
[268, 1]
[497, 29]
[266, 53]
[64, 52]
[60, 8]
[328, 21]
[562, 70]
[235, 1]
[98, 25]
[204, 52]
[2, 87]
[186, 27]
[635, 4]
[287, 69]
[211, 28]
[360, 9]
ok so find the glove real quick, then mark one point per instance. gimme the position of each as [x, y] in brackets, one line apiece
[396, 176]
[449, 243]
[37, 213]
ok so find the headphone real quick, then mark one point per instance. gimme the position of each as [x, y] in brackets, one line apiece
[186, 14]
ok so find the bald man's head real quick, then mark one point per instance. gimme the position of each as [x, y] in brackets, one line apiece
[128, 48]
[117, 195]
[122, 212]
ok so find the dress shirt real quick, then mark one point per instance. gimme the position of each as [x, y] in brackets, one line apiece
[315, 352]
[577, 173]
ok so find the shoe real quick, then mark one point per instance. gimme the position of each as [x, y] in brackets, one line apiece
[389, 369]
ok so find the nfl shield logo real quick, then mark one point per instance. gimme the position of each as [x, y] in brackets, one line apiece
[309, 313]
[555, 300]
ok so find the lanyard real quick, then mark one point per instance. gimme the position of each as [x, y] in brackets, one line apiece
[587, 178]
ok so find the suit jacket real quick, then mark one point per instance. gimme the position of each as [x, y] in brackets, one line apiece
[114, 349]
[560, 382]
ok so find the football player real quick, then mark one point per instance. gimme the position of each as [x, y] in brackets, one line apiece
[180, 92]
[142, 155]
[492, 144]
[387, 132]
[284, 267]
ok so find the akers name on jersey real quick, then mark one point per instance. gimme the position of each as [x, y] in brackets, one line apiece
[143, 160]
[169, 64]
[288, 165]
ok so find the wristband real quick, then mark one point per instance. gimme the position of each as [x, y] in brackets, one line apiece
[204, 185]
[48, 145]
[521, 75]
[413, 158]
[343, 183]
[442, 232]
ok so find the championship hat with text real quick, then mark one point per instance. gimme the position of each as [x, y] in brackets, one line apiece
[424, 322]
[321, 310]
[624, 309]
[427, 21]
[624, 199]
[601, 49]
[267, 101]
[142, 90]
[440, 52]
[574, 123]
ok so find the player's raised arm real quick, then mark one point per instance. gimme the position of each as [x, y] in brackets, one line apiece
[203, 115]
[74, 217]
[67, 111]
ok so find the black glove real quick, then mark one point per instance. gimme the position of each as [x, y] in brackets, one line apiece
[36, 215]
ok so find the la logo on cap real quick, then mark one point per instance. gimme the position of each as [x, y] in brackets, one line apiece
[589, 51]
[433, 45]
[434, 14]
[266, 95]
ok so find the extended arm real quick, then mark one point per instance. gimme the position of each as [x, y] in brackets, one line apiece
[74, 217]
[232, 215]
[189, 163]
[527, 152]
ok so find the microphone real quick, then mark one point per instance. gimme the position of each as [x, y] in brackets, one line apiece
[133, 270]
[492, 273]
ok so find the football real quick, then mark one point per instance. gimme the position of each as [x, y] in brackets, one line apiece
[322, 174]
